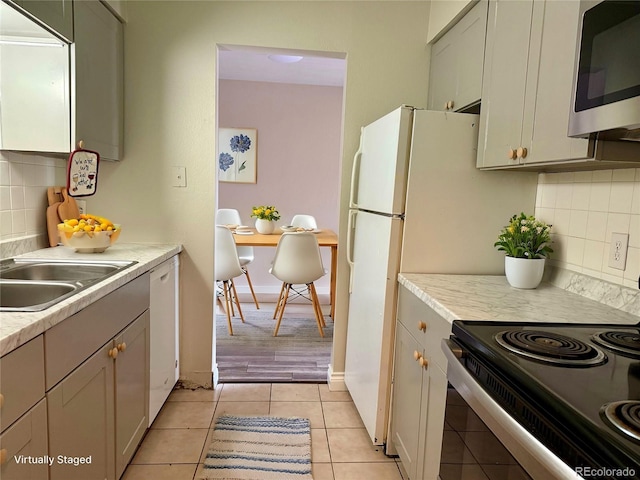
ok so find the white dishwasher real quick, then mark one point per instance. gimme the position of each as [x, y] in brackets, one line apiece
[163, 334]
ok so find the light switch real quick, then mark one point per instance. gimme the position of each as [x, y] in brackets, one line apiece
[179, 177]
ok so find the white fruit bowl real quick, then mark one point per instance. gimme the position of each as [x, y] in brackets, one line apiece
[89, 242]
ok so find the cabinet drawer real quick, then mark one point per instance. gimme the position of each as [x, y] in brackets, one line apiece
[28, 437]
[424, 324]
[21, 380]
[70, 342]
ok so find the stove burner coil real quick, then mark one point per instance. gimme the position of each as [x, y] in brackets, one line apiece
[550, 348]
[624, 417]
[626, 343]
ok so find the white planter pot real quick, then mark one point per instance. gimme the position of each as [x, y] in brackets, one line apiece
[265, 227]
[524, 272]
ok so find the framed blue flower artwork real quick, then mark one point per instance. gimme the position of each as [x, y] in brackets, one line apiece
[237, 155]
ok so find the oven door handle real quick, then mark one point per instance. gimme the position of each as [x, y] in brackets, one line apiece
[534, 457]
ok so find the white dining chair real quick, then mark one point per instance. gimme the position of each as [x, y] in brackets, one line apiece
[231, 216]
[298, 262]
[304, 221]
[226, 268]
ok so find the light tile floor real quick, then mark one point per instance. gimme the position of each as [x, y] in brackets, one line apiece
[176, 444]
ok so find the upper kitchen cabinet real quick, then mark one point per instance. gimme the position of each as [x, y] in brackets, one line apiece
[55, 95]
[526, 91]
[56, 15]
[98, 73]
[455, 79]
[34, 85]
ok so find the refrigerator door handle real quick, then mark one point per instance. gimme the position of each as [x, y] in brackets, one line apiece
[354, 170]
[350, 228]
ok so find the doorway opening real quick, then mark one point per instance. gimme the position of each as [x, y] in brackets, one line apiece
[289, 104]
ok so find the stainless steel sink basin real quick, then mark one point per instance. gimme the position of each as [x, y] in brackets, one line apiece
[33, 296]
[58, 271]
[29, 285]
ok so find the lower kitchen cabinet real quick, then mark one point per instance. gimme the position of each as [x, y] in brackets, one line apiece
[98, 413]
[27, 437]
[81, 411]
[97, 377]
[23, 412]
[419, 387]
[131, 389]
[408, 380]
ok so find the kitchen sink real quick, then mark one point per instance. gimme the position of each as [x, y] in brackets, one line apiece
[28, 285]
[32, 296]
[58, 271]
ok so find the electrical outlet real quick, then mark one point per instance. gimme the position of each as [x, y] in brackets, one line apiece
[618, 250]
[82, 206]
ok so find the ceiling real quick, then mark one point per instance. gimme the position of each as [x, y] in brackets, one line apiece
[254, 64]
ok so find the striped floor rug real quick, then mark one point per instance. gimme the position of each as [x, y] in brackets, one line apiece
[259, 448]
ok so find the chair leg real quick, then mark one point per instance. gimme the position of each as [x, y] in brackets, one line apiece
[275, 313]
[235, 297]
[253, 294]
[316, 308]
[227, 301]
[284, 304]
[316, 303]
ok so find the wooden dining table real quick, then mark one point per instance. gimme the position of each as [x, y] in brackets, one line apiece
[326, 238]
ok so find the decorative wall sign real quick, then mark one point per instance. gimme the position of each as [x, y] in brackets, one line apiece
[237, 155]
[82, 173]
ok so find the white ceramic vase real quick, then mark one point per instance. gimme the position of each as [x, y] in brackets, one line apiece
[524, 272]
[265, 227]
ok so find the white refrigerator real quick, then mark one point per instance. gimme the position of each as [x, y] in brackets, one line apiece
[418, 205]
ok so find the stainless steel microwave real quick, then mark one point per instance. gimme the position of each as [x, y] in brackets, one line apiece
[606, 93]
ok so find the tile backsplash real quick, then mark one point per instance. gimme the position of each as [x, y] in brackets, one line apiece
[585, 208]
[24, 179]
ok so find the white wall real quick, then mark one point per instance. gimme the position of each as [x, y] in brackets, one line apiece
[170, 105]
[584, 209]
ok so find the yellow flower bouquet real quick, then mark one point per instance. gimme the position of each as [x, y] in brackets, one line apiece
[266, 212]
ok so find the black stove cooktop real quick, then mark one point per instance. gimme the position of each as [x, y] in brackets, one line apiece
[574, 387]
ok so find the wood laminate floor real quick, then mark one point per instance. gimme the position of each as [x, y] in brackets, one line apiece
[253, 355]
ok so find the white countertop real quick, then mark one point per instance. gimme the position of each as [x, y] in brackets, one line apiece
[17, 328]
[486, 297]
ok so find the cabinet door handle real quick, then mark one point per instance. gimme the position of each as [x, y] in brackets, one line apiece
[113, 353]
[424, 363]
[450, 104]
[422, 326]
[3, 456]
[512, 154]
[522, 152]
[122, 347]
[417, 355]
[1, 400]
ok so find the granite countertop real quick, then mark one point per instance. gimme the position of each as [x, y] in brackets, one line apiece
[486, 297]
[17, 328]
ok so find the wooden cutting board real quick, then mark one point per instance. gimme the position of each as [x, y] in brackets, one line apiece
[54, 195]
[53, 219]
[68, 208]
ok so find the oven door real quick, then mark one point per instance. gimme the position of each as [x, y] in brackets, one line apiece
[494, 444]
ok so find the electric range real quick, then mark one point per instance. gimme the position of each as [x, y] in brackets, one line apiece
[575, 388]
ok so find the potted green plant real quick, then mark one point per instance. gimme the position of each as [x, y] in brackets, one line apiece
[526, 244]
[265, 215]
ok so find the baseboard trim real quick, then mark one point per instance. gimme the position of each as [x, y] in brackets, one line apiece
[335, 380]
